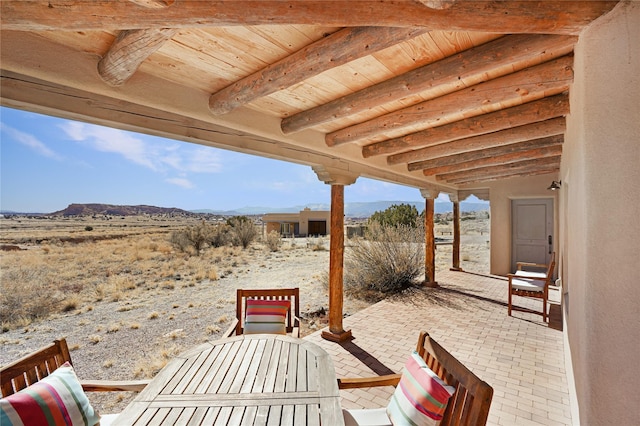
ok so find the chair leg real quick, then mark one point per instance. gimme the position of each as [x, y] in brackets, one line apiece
[509, 302]
[544, 310]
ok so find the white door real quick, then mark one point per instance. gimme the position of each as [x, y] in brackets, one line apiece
[532, 231]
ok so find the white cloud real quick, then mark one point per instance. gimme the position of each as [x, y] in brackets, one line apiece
[31, 142]
[183, 182]
[203, 160]
[157, 155]
[112, 140]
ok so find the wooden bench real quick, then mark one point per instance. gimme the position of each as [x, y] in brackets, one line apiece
[470, 403]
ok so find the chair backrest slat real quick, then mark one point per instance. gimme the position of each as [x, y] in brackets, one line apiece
[29, 369]
[470, 404]
[291, 294]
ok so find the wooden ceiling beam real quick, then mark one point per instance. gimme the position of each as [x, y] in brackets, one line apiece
[128, 51]
[552, 127]
[503, 153]
[520, 167]
[532, 83]
[531, 112]
[154, 4]
[553, 168]
[505, 17]
[515, 50]
[329, 52]
[484, 160]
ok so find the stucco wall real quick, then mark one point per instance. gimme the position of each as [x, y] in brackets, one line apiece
[307, 215]
[600, 219]
[272, 227]
[274, 220]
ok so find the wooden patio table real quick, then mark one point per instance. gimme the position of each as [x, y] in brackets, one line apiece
[255, 379]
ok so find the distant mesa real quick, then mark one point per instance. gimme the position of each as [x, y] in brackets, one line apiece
[112, 210]
[353, 210]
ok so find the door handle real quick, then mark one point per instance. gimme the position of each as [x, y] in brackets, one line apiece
[550, 244]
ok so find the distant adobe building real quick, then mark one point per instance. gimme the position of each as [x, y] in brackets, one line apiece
[306, 223]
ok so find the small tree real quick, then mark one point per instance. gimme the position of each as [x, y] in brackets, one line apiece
[397, 215]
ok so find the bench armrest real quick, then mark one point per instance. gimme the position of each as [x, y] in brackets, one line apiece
[111, 385]
[368, 382]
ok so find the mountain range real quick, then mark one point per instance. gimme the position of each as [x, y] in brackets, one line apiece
[358, 209]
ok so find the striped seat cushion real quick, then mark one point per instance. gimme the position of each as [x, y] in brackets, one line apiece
[421, 396]
[266, 316]
[57, 399]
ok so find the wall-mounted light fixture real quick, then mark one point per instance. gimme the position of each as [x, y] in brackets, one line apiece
[555, 185]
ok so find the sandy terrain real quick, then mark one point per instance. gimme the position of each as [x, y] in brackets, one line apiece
[133, 338]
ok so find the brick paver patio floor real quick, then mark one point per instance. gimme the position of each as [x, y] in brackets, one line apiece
[521, 357]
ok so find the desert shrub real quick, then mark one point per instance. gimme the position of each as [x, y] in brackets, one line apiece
[88, 228]
[274, 241]
[27, 294]
[150, 365]
[388, 260]
[70, 303]
[316, 244]
[220, 236]
[232, 221]
[243, 230]
[397, 215]
[192, 239]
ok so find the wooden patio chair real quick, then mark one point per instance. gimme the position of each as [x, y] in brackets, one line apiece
[292, 320]
[37, 365]
[532, 284]
[469, 404]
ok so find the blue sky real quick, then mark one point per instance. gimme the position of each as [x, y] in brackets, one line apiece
[48, 163]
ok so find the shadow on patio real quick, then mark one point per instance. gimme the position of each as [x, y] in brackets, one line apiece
[521, 357]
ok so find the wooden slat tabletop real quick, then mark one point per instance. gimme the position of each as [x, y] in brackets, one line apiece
[243, 380]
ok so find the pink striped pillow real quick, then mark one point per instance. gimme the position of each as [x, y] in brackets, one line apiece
[266, 316]
[58, 399]
[421, 396]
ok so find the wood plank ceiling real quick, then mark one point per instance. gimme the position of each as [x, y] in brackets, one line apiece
[450, 92]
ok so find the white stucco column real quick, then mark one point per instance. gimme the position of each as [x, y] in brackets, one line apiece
[600, 207]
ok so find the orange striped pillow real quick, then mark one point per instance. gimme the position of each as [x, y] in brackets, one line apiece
[266, 316]
[421, 396]
[57, 399]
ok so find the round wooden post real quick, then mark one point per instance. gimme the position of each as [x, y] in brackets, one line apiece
[456, 237]
[430, 245]
[336, 267]
[338, 179]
